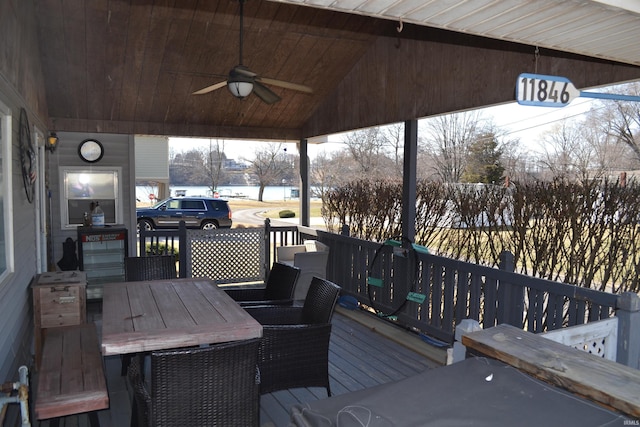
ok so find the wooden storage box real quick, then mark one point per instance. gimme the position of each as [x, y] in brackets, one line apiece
[59, 299]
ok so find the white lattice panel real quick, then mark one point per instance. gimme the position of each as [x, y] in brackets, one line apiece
[227, 255]
[599, 338]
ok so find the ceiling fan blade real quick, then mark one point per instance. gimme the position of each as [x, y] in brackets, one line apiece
[265, 94]
[210, 88]
[286, 85]
[242, 70]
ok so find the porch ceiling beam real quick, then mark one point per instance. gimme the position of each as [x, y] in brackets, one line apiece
[174, 129]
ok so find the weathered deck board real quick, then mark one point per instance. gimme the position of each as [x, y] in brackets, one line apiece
[358, 357]
[600, 380]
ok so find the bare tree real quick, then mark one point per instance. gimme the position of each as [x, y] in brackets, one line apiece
[608, 154]
[447, 143]
[395, 138]
[271, 165]
[366, 147]
[187, 167]
[565, 152]
[331, 169]
[579, 149]
[213, 163]
[621, 119]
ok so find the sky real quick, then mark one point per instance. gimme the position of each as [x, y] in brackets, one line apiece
[526, 123]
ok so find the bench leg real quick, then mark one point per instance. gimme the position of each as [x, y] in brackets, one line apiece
[126, 360]
[93, 419]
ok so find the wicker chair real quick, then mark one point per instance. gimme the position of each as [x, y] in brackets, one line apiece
[138, 269]
[211, 386]
[154, 267]
[295, 340]
[278, 290]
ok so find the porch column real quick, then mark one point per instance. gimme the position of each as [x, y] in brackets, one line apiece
[409, 179]
[305, 190]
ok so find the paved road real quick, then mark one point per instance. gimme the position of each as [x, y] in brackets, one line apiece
[251, 217]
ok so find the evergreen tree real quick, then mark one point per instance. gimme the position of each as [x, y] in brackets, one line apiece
[483, 163]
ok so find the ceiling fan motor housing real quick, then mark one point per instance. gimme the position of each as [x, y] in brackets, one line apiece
[240, 85]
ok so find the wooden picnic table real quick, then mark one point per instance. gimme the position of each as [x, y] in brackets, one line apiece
[164, 314]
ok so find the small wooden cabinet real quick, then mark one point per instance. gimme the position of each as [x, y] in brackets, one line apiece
[59, 299]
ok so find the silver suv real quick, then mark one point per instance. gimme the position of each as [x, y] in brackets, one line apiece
[197, 212]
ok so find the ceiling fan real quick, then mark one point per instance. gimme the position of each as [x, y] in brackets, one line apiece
[242, 81]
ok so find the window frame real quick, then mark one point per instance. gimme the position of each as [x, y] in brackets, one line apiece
[116, 199]
[6, 196]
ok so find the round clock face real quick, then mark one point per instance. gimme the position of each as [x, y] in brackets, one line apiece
[91, 150]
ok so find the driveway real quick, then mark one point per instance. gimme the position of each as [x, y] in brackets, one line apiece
[253, 217]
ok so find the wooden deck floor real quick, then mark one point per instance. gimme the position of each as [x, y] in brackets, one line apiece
[359, 358]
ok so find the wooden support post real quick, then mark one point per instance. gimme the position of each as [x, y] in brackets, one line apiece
[305, 188]
[409, 179]
[510, 297]
[628, 314]
[182, 248]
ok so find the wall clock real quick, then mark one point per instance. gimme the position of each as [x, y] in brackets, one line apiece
[90, 150]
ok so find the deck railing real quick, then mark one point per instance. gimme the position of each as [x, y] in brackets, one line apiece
[436, 293]
[447, 291]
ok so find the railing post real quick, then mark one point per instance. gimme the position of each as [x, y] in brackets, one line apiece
[267, 246]
[628, 313]
[141, 242]
[510, 296]
[182, 248]
[459, 351]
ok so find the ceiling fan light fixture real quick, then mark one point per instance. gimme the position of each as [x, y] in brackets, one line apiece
[240, 89]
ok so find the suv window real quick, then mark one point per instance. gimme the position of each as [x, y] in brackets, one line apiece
[173, 204]
[193, 204]
[217, 206]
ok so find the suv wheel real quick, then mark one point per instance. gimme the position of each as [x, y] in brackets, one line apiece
[209, 225]
[145, 224]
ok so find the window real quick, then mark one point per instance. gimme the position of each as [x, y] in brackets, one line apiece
[82, 187]
[6, 208]
[193, 205]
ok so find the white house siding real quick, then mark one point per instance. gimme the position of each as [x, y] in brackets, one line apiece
[16, 325]
[152, 158]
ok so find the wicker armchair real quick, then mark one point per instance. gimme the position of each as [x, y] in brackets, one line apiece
[212, 386]
[138, 269]
[295, 340]
[278, 290]
[154, 267]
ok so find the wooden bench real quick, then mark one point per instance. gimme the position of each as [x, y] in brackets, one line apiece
[71, 377]
[609, 383]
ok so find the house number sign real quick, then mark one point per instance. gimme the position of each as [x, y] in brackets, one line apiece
[555, 91]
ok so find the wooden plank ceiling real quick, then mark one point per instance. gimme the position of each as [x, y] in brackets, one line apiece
[131, 66]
